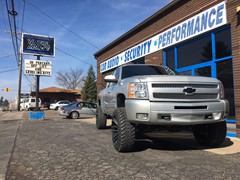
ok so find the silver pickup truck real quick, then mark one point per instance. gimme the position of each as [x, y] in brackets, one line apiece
[143, 98]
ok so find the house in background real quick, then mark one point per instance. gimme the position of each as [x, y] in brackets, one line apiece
[53, 94]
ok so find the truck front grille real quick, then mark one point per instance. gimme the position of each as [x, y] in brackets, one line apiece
[183, 92]
[158, 85]
[183, 96]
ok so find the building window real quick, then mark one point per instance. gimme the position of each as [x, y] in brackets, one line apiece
[223, 44]
[170, 57]
[195, 52]
[209, 55]
[224, 74]
[185, 73]
[204, 71]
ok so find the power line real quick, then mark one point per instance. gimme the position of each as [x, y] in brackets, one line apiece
[6, 56]
[8, 66]
[18, 5]
[83, 39]
[66, 29]
[10, 25]
[3, 16]
[9, 70]
[15, 46]
[24, 5]
[73, 56]
[14, 13]
[27, 78]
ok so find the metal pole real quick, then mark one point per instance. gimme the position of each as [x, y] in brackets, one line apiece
[19, 82]
[37, 88]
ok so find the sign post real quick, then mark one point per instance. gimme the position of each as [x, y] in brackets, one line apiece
[37, 89]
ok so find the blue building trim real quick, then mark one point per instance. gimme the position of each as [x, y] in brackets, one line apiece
[231, 121]
[164, 57]
[233, 135]
[175, 57]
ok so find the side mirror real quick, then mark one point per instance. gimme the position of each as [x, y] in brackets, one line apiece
[110, 78]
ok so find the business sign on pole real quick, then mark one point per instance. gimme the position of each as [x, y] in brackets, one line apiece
[37, 67]
[38, 45]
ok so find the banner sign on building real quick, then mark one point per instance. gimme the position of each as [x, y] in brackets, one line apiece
[205, 21]
[37, 67]
[38, 45]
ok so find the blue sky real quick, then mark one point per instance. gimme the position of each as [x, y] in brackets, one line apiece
[98, 22]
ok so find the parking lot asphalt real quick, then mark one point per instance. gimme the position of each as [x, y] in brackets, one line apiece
[230, 146]
[59, 148]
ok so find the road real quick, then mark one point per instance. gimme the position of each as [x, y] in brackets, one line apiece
[59, 148]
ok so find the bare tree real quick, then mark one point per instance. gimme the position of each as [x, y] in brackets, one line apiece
[70, 79]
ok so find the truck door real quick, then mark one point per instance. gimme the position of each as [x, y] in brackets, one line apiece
[111, 93]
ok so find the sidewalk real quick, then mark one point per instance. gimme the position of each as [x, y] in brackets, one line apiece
[9, 124]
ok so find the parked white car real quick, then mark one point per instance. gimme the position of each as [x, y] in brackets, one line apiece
[29, 104]
[56, 105]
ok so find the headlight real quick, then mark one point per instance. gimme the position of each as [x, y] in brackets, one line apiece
[138, 90]
[221, 92]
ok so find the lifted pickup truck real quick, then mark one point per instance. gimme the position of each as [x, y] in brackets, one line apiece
[143, 98]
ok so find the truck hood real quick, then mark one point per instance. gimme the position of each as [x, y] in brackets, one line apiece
[176, 78]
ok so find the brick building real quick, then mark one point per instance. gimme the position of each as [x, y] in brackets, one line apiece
[192, 37]
[54, 94]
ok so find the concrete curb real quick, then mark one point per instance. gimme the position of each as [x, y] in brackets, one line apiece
[230, 146]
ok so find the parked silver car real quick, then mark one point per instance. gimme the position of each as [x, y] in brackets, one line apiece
[75, 110]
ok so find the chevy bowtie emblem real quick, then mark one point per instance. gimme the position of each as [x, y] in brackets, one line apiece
[189, 90]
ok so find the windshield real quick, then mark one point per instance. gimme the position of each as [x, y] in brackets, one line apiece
[129, 71]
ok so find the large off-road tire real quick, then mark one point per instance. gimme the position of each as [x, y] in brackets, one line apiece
[101, 119]
[211, 135]
[123, 132]
[74, 115]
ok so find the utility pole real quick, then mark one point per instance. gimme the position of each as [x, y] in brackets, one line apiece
[19, 73]
[14, 14]
[20, 81]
